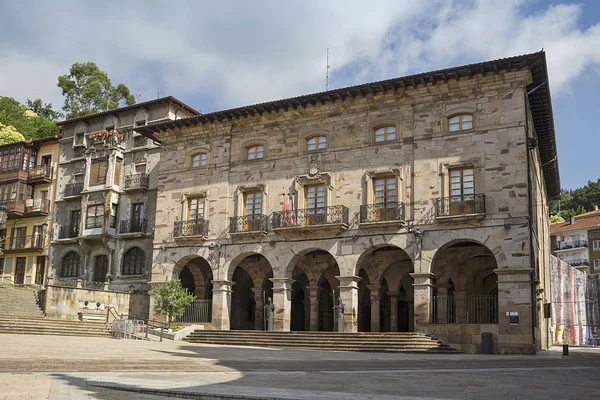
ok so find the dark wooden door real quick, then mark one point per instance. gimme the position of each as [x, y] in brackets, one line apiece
[20, 271]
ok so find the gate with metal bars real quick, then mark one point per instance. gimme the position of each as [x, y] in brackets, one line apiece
[200, 310]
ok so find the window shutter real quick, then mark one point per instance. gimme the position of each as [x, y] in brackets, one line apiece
[94, 173]
[117, 177]
[98, 172]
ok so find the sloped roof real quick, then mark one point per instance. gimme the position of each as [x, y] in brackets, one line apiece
[588, 220]
[539, 99]
[127, 108]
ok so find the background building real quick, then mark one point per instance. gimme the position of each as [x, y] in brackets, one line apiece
[418, 201]
[577, 241]
[106, 200]
[28, 172]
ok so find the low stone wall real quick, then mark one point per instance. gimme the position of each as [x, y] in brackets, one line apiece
[65, 302]
[464, 337]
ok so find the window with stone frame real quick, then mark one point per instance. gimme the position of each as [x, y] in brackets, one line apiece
[316, 143]
[253, 203]
[134, 262]
[596, 245]
[70, 265]
[195, 208]
[199, 160]
[462, 190]
[255, 152]
[98, 172]
[95, 216]
[384, 133]
[597, 264]
[460, 122]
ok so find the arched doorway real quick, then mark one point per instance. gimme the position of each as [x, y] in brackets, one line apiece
[314, 291]
[465, 285]
[249, 293]
[196, 276]
[386, 299]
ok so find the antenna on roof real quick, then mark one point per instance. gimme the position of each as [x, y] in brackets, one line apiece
[327, 72]
[158, 92]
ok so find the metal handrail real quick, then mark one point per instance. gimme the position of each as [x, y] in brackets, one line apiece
[148, 322]
[331, 215]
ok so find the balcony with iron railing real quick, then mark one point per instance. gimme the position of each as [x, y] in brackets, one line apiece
[191, 228]
[571, 245]
[132, 226]
[462, 206]
[577, 262]
[40, 174]
[249, 224]
[381, 213]
[333, 217]
[73, 189]
[37, 207]
[23, 243]
[139, 181]
[68, 232]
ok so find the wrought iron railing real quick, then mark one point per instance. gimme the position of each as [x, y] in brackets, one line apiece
[33, 242]
[97, 285]
[78, 151]
[137, 181]
[572, 244]
[73, 189]
[466, 204]
[200, 310]
[197, 227]
[332, 215]
[478, 309]
[68, 232]
[578, 262]
[140, 141]
[41, 172]
[65, 282]
[132, 226]
[383, 212]
[37, 206]
[249, 223]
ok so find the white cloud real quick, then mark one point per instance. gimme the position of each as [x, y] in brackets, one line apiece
[260, 51]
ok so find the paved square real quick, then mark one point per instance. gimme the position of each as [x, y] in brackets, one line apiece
[55, 367]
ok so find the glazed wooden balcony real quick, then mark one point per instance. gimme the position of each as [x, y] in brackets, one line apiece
[40, 174]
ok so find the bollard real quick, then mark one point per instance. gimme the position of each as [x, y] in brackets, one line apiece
[565, 349]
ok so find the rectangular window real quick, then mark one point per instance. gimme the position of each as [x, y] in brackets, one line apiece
[117, 177]
[79, 139]
[98, 172]
[385, 190]
[114, 211]
[316, 199]
[597, 265]
[75, 221]
[196, 208]
[596, 245]
[95, 216]
[252, 203]
[137, 212]
[462, 185]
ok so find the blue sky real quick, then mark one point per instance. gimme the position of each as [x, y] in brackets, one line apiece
[215, 56]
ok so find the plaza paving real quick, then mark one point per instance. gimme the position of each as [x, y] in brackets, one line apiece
[55, 367]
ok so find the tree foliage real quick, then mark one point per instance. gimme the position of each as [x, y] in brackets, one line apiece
[8, 134]
[578, 201]
[25, 121]
[170, 299]
[556, 219]
[88, 90]
[43, 109]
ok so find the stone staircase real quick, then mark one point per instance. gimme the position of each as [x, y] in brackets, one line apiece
[362, 341]
[20, 314]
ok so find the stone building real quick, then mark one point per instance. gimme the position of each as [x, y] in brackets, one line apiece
[28, 172]
[106, 198]
[419, 201]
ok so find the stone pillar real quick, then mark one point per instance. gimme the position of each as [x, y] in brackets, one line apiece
[422, 293]
[514, 296]
[282, 299]
[375, 297]
[259, 322]
[349, 294]
[313, 301]
[462, 316]
[221, 304]
[393, 311]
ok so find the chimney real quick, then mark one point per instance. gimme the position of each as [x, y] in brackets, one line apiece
[572, 221]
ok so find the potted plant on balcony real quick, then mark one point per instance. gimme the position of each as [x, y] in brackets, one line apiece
[105, 137]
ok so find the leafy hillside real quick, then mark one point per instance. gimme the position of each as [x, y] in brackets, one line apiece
[578, 201]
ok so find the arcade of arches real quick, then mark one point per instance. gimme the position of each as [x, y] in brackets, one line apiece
[386, 295]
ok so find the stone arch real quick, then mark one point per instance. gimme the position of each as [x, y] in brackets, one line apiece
[141, 115]
[70, 265]
[239, 253]
[196, 275]
[402, 244]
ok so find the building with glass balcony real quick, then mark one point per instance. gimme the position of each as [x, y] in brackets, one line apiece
[28, 172]
[577, 241]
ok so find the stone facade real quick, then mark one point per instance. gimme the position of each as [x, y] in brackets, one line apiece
[429, 262]
[108, 247]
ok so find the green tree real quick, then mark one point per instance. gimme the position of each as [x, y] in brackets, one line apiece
[8, 134]
[43, 109]
[26, 122]
[578, 201]
[556, 219]
[170, 299]
[88, 90]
